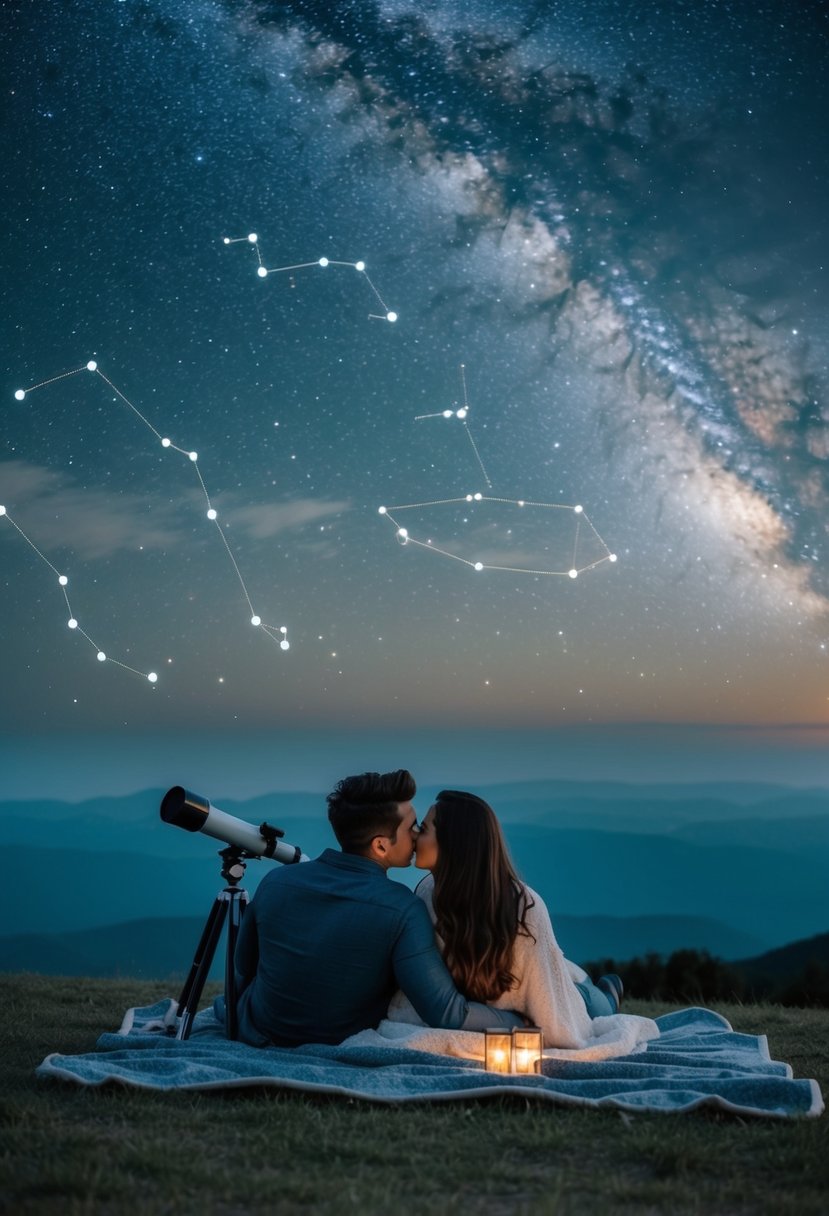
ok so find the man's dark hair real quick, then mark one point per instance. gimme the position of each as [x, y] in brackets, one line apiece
[360, 808]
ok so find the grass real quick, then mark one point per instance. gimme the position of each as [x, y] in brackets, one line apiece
[73, 1150]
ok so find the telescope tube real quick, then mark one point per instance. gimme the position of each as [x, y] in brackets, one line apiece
[195, 814]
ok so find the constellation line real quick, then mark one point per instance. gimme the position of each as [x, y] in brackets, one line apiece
[405, 537]
[263, 271]
[276, 633]
[461, 414]
[72, 623]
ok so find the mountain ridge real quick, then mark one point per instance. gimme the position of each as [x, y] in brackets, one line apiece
[106, 861]
[163, 947]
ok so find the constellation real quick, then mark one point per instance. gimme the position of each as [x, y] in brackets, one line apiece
[462, 413]
[497, 537]
[493, 539]
[263, 271]
[276, 633]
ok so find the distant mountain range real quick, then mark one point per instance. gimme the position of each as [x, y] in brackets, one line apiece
[162, 948]
[732, 869]
[154, 948]
[626, 807]
[776, 966]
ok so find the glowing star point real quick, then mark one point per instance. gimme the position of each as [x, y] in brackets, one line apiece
[2, 510]
[20, 394]
[612, 557]
[284, 644]
[262, 272]
[63, 580]
[256, 620]
[101, 657]
[402, 533]
[391, 316]
[447, 413]
[461, 414]
[479, 565]
[252, 237]
[165, 443]
[211, 514]
[152, 676]
[323, 262]
[359, 266]
[193, 456]
[226, 240]
[478, 497]
[92, 366]
[72, 623]
[578, 510]
[381, 510]
[573, 573]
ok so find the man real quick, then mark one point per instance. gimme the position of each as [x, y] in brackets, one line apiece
[325, 944]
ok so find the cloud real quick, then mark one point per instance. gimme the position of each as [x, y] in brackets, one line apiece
[264, 520]
[55, 513]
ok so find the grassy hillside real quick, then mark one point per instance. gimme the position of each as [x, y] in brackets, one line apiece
[68, 1150]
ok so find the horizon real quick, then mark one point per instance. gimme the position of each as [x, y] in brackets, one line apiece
[75, 767]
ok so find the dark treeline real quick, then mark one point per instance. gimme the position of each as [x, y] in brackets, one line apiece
[696, 977]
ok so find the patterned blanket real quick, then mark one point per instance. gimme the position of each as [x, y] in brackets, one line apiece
[696, 1060]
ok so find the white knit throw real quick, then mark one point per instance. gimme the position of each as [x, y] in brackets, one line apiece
[545, 993]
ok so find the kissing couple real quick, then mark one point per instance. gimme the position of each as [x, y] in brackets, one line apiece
[333, 946]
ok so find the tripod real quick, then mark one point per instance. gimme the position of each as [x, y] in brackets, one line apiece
[233, 899]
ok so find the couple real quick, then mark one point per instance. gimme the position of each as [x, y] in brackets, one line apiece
[332, 947]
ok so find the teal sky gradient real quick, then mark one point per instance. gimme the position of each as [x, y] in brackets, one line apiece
[73, 767]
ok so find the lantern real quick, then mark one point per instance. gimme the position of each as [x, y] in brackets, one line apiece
[497, 1050]
[517, 1051]
[527, 1045]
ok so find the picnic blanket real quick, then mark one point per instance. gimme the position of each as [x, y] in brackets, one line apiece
[696, 1060]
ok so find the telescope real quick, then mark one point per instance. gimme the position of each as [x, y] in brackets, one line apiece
[195, 814]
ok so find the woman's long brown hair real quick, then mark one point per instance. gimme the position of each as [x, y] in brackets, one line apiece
[480, 904]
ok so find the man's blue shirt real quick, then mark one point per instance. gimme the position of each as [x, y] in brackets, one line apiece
[324, 945]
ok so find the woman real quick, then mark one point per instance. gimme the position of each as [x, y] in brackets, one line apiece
[494, 932]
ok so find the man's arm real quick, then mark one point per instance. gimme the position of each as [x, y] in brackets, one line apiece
[424, 977]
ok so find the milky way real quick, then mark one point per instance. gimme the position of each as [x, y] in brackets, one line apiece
[612, 218]
[573, 162]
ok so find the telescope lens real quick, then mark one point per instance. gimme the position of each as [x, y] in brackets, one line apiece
[185, 810]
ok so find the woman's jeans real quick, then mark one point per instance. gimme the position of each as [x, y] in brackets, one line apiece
[599, 1004]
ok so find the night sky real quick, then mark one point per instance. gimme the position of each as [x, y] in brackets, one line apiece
[611, 214]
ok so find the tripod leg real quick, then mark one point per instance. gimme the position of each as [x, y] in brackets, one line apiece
[238, 903]
[202, 960]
